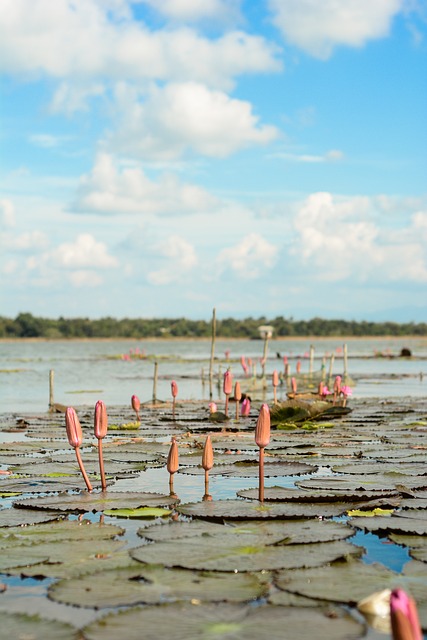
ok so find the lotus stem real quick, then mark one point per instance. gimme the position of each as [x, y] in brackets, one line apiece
[82, 469]
[261, 475]
[101, 466]
[100, 430]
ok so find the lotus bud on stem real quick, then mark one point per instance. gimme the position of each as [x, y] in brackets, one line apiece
[246, 407]
[405, 624]
[207, 461]
[294, 386]
[337, 388]
[227, 387]
[172, 463]
[136, 405]
[237, 397]
[213, 407]
[100, 428]
[174, 390]
[262, 438]
[275, 384]
[75, 438]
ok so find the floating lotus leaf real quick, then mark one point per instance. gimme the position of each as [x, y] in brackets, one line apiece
[284, 494]
[286, 599]
[251, 470]
[371, 482]
[38, 484]
[419, 553]
[244, 510]
[141, 512]
[417, 514]
[266, 532]
[373, 467]
[193, 621]
[71, 530]
[239, 553]
[22, 517]
[415, 502]
[85, 502]
[23, 627]
[399, 525]
[63, 558]
[153, 584]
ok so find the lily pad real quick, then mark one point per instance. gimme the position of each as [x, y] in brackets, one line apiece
[85, 502]
[397, 525]
[20, 626]
[240, 553]
[152, 584]
[221, 621]
[251, 470]
[284, 494]
[22, 517]
[71, 530]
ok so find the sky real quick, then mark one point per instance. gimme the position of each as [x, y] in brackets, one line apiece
[161, 158]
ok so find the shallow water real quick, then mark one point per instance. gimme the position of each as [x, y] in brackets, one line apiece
[85, 371]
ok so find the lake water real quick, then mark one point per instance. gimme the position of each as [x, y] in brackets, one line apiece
[88, 370]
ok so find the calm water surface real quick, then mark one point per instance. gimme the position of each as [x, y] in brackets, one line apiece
[85, 371]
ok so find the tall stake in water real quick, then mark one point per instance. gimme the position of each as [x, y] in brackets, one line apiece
[212, 353]
[51, 400]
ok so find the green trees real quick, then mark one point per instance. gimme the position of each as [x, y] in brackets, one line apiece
[25, 325]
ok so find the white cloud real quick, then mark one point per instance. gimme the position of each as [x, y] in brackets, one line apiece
[249, 258]
[83, 278]
[83, 40]
[113, 189]
[180, 256]
[188, 116]
[85, 252]
[334, 155]
[339, 238]
[7, 213]
[318, 27]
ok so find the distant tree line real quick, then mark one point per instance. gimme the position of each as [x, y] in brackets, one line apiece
[25, 325]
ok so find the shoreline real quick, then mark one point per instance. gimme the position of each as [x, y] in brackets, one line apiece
[218, 338]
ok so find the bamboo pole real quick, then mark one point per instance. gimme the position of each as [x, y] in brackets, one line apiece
[155, 382]
[51, 394]
[345, 375]
[212, 354]
[311, 360]
[331, 366]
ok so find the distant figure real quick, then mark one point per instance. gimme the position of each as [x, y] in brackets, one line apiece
[405, 353]
[278, 355]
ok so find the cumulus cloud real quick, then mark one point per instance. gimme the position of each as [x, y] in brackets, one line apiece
[249, 258]
[111, 189]
[188, 117]
[334, 155]
[339, 238]
[7, 213]
[180, 257]
[112, 45]
[85, 252]
[318, 27]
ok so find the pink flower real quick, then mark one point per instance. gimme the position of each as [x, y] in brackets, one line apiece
[346, 390]
[262, 431]
[228, 382]
[325, 391]
[100, 420]
[246, 407]
[174, 389]
[73, 427]
[405, 624]
[213, 407]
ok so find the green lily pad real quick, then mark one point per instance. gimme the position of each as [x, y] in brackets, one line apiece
[141, 512]
[23, 627]
[285, 494]
[98, 501]
[251, 470]
[239, 553]
[71, 530]
[21, 517]
[395, 524]
[194, 621]
[152, 584]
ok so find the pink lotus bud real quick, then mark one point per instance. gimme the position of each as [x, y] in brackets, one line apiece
[74, 429]
[172, 463]
[212, 407]
[298, 367]
[174, 389]
[275, 378]
[285, 360]
[207, 458]
[337, 384]
[100, 420]
[346, 390]
[404, 617]
[228, 382]
[237, 392]
[262, 431]
[294, 385]
[135, 403]
[246, 407]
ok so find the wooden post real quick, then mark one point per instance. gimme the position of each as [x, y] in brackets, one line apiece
[331, 366]
[51, 395]
[345, 376]
[155, 382]
[311, 360]
[212, 354]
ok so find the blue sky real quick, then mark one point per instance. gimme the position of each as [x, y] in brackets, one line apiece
[264, 157]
